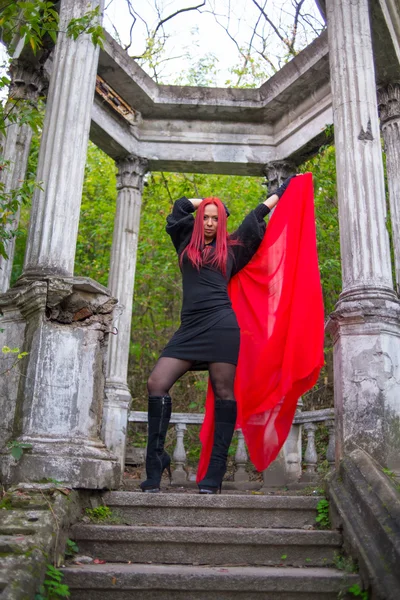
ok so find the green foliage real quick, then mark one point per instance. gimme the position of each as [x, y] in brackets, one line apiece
[17, 449]
[355, 590]
[322, 518]
[37, 22]
[345, 563]
[10, 201]
[97, 216]
[323, 168]
[52, 588]
[30, 20]
[88, 24]
[99, 514]
[71, 548]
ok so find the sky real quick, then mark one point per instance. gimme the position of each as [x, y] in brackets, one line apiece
[194, 34]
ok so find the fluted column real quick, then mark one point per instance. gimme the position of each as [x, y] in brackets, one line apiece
[389, 110]
[26, 85]
[61, 322]
[54, 219]
[360, 181]
[131, 171]
[366, 322]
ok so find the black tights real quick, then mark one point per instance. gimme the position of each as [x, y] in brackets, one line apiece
[168, 370]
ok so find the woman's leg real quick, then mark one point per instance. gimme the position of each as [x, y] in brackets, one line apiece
[165, 373]
[222, 376]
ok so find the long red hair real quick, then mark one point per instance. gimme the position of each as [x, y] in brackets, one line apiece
[197, 252]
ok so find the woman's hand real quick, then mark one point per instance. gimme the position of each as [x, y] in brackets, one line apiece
[282, 188]
[273, 200]
[196, 202]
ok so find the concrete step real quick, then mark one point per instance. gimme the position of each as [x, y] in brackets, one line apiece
[208, 545]
[195, 510]
[161, 582]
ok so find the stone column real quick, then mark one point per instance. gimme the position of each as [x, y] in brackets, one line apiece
[26, 85]
[365, 325]
[389, 109]
[131, 171]
[61, 321]
[55, 211]
[276, 172]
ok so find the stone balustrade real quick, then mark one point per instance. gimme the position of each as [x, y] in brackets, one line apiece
[307, 420]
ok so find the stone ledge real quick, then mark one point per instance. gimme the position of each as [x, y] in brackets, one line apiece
[366, 505]
[34, 523]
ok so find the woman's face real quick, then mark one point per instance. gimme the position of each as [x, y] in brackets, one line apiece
[210, 223]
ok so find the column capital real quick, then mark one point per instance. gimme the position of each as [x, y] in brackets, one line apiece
[131, 170]
[389, 102]
[27, 82]
[277, 171]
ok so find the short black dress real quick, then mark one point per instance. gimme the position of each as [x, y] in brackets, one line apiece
[209, 331]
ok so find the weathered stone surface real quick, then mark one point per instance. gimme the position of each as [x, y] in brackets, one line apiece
[365, 324]
[366, 337]
[27, 83]
[389, 109]
[30, 539]
[190, 510]
[365, 503]
[131, 171]
[103, 582]
[53, 229]
[206, 545]
[56, 400]
[221, 130]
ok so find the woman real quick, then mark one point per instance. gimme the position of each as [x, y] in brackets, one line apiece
[209, 335]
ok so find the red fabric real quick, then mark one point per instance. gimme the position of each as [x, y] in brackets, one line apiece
[277, 299]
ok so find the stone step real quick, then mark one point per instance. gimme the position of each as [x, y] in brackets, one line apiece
[222, 510]
[161, 582]
[208, 545]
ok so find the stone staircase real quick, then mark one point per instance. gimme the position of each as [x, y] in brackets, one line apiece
[181, 545]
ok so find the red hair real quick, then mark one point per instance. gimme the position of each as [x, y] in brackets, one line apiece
[196, 251]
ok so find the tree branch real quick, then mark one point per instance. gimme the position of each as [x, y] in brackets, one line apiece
[181, 10]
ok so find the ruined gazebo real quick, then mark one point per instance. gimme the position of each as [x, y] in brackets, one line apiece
[70, 403]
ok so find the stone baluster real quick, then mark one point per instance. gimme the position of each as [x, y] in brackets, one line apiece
[53, 226]
[241, 459]
[330, 451]
[131, 171]
[27, 84]
[310, 455]
[366, 322]
[179, 474]
[389, 110]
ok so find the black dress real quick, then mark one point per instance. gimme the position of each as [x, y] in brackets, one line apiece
[209, 331]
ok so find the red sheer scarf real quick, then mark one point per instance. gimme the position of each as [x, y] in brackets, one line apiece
[277, 299]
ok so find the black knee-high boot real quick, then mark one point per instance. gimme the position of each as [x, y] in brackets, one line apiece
[159, 413]
[225, 420]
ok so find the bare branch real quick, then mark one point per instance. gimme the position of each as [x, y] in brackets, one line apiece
[295, 25]
[181, 10]
[276, 30]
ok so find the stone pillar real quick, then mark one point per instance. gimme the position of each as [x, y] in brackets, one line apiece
[276, 172]
[55, 211]
[26, 85]
[366, 322]
[389, 110]
[131, 171]
[61, 321]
